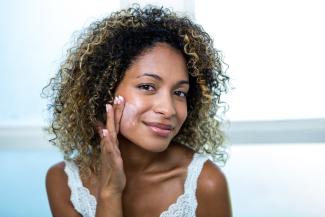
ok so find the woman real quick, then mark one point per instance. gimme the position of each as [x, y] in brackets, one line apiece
[135, 106]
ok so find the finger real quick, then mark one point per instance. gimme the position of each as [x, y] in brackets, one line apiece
[109, 146]
[107, 155]
[119, 104]
[105, 144]
[110, 125]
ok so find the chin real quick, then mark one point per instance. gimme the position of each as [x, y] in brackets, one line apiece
[149, 144]
[156, 147]
[153, 146]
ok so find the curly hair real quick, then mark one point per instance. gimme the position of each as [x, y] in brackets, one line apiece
[96, 64]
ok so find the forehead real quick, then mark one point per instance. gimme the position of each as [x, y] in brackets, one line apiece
[163, 60]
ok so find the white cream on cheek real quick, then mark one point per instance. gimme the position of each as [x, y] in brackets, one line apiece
[129, 116]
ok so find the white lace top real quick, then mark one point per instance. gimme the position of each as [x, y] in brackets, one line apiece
[185, 206]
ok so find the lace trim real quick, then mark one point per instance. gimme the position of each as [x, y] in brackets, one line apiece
[182, 207]
[185, 206]
[83, 201]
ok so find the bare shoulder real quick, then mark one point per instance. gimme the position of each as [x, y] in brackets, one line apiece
[56, 176]
[56, 169]
[212, 192]
[58, 192]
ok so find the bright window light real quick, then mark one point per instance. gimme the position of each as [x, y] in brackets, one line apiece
[275, 50]
[34, 40]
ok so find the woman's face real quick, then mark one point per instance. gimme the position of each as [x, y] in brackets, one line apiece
[154, 88]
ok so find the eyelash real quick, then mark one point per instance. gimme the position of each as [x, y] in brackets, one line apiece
[181, 92]
[146, 87]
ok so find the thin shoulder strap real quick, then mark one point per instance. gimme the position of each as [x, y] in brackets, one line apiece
[194, 170]
[82, 200]
[72, 171]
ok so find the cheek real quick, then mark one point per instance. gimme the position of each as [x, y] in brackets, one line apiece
[183, 114]
[129, 117]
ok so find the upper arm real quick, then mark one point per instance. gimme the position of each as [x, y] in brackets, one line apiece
[58, 192]
[212, 193]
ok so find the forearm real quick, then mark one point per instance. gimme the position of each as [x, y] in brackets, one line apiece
[109, 206]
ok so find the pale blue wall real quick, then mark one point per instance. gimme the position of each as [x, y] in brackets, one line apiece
[264, 180]
[34, 37]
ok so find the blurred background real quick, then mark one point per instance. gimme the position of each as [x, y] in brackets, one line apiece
[276, 118]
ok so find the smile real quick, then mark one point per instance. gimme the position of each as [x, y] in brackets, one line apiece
[159, 129]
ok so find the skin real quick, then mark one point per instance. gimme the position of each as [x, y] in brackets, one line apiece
[143, 172]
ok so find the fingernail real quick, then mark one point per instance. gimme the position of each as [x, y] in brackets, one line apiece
[115, 100]
[107, 107]
[118, 100]
[121, 98]
[105, 132]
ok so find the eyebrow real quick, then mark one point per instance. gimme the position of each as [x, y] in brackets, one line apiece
[157, 77]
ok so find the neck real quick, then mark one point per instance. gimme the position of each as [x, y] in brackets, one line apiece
[137, 160]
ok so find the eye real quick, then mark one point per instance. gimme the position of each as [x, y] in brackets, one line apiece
[147, 87]
[181, 93]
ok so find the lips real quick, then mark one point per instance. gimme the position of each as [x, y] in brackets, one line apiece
[160, 129]
[160, 125]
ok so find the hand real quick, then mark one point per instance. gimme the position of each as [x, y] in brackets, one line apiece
[112, 179]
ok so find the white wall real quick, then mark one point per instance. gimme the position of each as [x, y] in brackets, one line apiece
[34, 37]
[275, 50]
[277, 180]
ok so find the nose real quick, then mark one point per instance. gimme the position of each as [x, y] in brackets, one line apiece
[165, 105]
